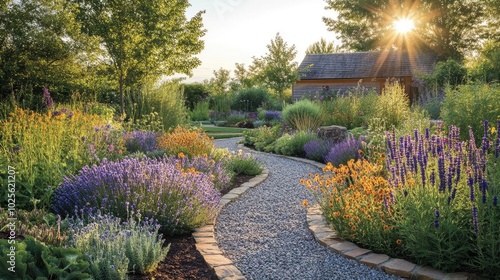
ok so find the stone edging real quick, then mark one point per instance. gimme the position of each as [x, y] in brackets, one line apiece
[204, 236]
[399, 267]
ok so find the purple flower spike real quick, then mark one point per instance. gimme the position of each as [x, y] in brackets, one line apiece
[474, 220]
[495, 201]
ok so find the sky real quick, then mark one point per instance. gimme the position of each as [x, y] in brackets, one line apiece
[238, 30]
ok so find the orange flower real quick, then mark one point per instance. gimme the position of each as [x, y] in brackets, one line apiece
[305, 203]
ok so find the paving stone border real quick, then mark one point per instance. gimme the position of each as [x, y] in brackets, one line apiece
[206, 244]
[399, 267]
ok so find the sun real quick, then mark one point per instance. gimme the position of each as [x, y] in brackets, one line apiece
[403, 25]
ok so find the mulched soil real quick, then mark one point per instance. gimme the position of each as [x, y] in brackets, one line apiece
[183, 260]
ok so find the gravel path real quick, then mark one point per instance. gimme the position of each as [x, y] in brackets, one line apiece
[265, 231]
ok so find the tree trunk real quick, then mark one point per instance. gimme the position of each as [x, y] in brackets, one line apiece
[122, 95]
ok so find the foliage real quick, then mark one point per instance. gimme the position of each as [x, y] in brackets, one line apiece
[449, 28]
[446, 73]
[200, 111]
[248, 100]
[486, 67]
[143, 141]
[33, 260]
[344, 151]
[277, 70]
[105, 111]
[293, 145]
[114, 248]
[221, 103]
[194, 93]
[159, 39]
[468, 105]
[219, 83]
[180, 200]
[42, 226]
[322, 47]
[45, 147]
[417, 119]
[351, 110]
[392, 105]
[302, 115]
[190, 142]
[244, 163]
[352, 197]
[317, 149]
[157, 108]
[41, 47]
[262, 138]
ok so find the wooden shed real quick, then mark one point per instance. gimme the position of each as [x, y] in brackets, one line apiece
[340, 72]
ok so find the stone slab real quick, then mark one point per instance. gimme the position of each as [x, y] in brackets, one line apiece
[354, 254]
[217, 260]
[207, 228]
[326, 234]
[457, 276]
[374, 260]
[208, 249]
[230, 196]
[227, 272]
[205, 240]
[203, 234]
[329, 241]
[239, 190]
[399, 267]
[343, 247]
[429, 273]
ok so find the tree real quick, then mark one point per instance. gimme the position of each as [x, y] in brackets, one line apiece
[219, 84]
[486, 67]
[276, 70]
[40, 46]
[143, 39]
[448, 27]
[322, 46]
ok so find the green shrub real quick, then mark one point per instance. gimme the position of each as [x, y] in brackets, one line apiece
[34, 260]
[352, 110]
[469, 105]
[293, 145]
[248, 100]
[264, 138]
[417, 119]
[200, 112]
[103, 110]
[243, 163]
[393, 105]
[194, 94]
[114, 248]
[446, 73]
[302, 115]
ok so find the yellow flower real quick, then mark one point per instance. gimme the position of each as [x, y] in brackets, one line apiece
[181, 155]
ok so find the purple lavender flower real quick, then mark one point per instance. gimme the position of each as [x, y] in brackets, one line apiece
[470, 182]
[436, 221]
[156, 188]
[144, 141]
[495, 201]
[475, 220]
[47, 100]
[272, 115]
[344, 151]
[318, 149]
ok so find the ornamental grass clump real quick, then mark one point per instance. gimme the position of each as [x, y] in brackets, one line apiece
[191, 142]
[303, 115]
[114, 248]
[293, 144]
[352, 197]
[344, 151]
[244, 163]
[446, 210]
[180, 200]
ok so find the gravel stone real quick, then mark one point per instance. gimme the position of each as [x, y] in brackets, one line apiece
[265, 233]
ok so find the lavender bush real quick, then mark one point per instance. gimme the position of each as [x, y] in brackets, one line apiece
[114, 248]
[272, 115]
[143, 141]
[221, 177]
[342, 152]
[318, 149]
[179, 199]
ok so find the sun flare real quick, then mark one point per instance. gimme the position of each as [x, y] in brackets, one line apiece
[403, 25]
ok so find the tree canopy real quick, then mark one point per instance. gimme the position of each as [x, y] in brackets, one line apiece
[448, 27]
[143, 39]
[323, 46]
[276, 70]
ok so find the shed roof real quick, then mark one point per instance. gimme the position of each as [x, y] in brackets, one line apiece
[375, 64]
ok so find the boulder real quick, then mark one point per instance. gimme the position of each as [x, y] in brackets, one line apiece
[334, 133]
